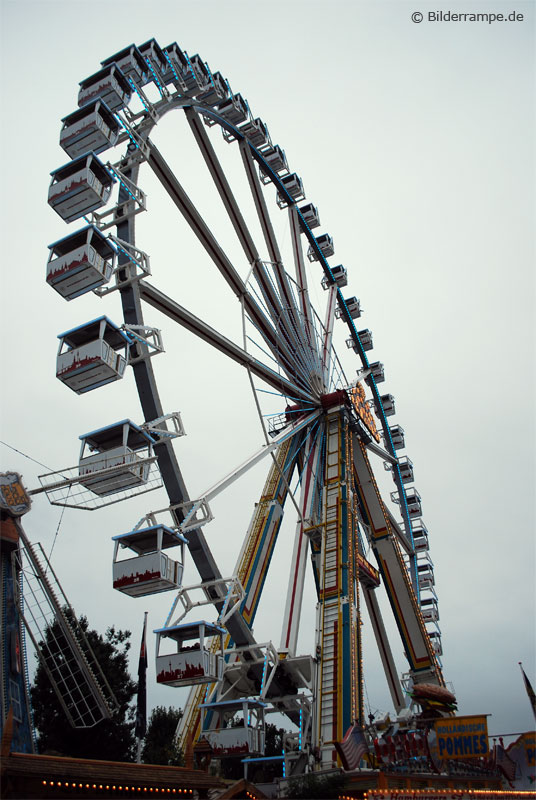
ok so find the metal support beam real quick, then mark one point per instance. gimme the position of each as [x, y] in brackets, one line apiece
[175, 311]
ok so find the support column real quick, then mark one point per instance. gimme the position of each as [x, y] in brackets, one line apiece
[338, 690]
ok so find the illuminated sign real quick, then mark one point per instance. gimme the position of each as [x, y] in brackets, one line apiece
[13, 497]
[462, 737]
[359, 402]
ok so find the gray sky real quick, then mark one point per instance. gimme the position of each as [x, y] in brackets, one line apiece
[415, 141]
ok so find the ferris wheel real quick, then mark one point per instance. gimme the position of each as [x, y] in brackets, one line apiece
[323, 430]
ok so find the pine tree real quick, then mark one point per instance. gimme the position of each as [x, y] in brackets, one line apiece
[111, 739]
[160, 746]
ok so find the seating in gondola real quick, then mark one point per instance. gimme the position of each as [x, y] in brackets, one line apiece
[179, 70]
[120, 458]
[397, 438]
[310, 214]
[388, 405]
[413, 499]
[234, 727]
[377, 371]
[184, 665]
[325, 245]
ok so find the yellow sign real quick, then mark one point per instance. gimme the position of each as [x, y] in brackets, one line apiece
[359, 401]
[13, 497]
[529, 743]
[462, 737]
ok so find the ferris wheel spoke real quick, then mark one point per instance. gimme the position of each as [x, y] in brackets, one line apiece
[222, 185]
[218, 256]
[302, 356]
[235, 215]
[301, 279]
[328, 332]
[175, 311]
[269, 235]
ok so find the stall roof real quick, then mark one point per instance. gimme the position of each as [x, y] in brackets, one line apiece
[89, 331]
[143, 540]
[190, 630]
[112, 436]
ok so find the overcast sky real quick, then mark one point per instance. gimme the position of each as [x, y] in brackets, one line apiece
[415, 141]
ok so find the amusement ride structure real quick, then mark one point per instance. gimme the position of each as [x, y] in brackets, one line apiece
[322, 448]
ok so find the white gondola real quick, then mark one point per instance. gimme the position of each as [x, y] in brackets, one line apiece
[108, 84]
[325, 245]
[429, 609]
[215, 91]
[89, 356]
[79, 187]
[277, 161]
[377, 371]
[310, 214]
[425, 576]
[420, 538]
[121, 458]
[150, 571]
[294, 186]
[234, 110]
[413, 500]
[354, 308]
[404, 463]
[131, 63]
[189, 664]
[80, 262]
[246, 735]
[397, 436]
[435, 638]
[201, 72]
[256, 132]
[365, 337]
[339, 273]
[388, 405]
[153, 54]
[179, 70]
[92, 128]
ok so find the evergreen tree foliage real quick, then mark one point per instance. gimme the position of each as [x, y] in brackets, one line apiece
[111, 739]
[160, 746]
[316, 786]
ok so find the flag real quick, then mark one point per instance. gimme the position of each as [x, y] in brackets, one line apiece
[352, 748]
[141, 708]
[530, 690]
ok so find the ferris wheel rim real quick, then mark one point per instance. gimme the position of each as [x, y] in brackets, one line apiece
[141, 290]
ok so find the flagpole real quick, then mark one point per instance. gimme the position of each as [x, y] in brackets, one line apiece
[141, 709]
[528, 689]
